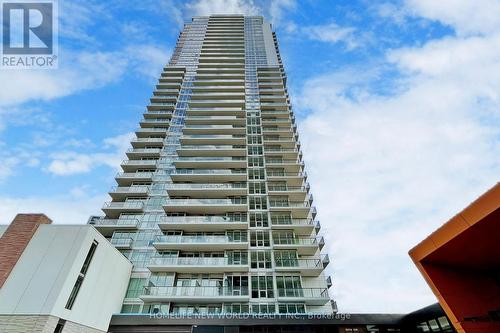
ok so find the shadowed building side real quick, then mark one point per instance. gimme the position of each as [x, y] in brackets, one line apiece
[461, 263]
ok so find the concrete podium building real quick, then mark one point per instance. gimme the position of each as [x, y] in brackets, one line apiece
[58, 278]
[213, 207]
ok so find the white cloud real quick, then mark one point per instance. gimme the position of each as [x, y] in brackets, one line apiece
[387, 170]
[467, 17]
[333, 33]
[211, 7]
[70, 163]
[278, 8]
[62, 209]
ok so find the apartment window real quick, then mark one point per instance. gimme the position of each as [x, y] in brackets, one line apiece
[259, 220]
[258, 203]
[161, 279]
[255, 162]
[263, 308]
[254, 140]
[262, 286]
[256, 174]
[291, 308]
[289, 286]
[236, 308]
[286, 258]
[253, 130]
[237, 257]
[60, 326]
[81, 276]
[257, 188]
[260, 260]
[255, 150]
[131, 308]
[259, 238]
[253, 121]
[135, 287]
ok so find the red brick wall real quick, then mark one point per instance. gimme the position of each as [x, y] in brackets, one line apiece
[15, 239]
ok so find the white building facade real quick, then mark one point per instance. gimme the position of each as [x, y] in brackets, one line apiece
[213, 207]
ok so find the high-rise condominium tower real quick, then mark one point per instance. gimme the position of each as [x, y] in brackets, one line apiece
[213, 206]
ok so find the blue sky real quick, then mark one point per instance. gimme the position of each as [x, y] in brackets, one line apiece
[397, 105]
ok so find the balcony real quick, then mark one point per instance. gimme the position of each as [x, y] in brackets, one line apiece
[195, 294]
[162, 92]
[196, 265]
[127, 178]
[215, 120]
[306, 267]
[122, 243]
[132, 165]
[292, 178]
[214, 129]
[205, 206]
[303, 245]
[209, 175]
[201, 243]
[119, 193]
[158, 114]
[300, 226]
[201, 223]
[214, 139]
[212, 150]
[143, 142]
[108, 226]
[143, 152]
[211, 162]
[114, 209]
[161, 106]
[154, 122]
[148, 131]
[329, 282]
[310, 296]
[210, 111]
[294, 193]
[207, 190]
[277, 129]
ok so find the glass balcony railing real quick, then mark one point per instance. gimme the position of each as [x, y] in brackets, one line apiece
[292, 222]
[213, 136]
[116, 222]
[285, 188]
[285, 204]
[202, 219]
[124, 205]
[211, 158]
[196, 261]
[214, 202]
[299, 263]
[134, 175]
[144, 150]
[122, 242]
[129, 189]
[209, 239]
[209, 172]
[303, 293]
[194, 186]
[212, 147]
[193, 292]
[294, 241]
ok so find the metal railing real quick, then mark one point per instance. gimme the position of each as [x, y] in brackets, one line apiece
[303, 293]
[201, 239]
[199, 261]
[195, 291]
[299, 263]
